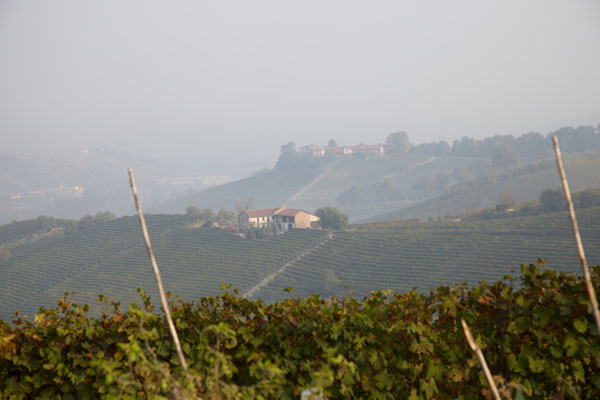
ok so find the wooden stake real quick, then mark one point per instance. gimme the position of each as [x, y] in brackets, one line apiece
[481, 358]
[161, 291]
[584, 266]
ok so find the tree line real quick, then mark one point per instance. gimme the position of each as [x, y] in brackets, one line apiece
[502, 149]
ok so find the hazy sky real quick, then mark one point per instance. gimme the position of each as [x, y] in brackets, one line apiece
[187, 77]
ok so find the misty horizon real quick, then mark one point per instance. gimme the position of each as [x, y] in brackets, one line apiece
[236, 78]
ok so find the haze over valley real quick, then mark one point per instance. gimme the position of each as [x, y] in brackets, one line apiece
[341, 199]
[359, 113]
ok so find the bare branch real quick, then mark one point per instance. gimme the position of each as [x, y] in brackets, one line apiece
[582, 259]
[161, 291]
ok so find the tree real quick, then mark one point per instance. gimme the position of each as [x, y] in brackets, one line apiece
[587, 198]
[331, 218]
[192, 210]
[47, 222]
[332, 143]
[437, 149]
[242, 205]
[205, 212]
[331, 281]
[504, 156]
[288, 156]
[105, 216]
[226, 217]
[86, 220]
[397, 143]
[553, 200]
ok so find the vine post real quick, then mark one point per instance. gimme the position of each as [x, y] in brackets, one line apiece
[161, 290]
[481, 358]
[582, 259]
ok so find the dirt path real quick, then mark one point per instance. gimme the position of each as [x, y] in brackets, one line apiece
[313, 182]
[33, 238]
[267, 279]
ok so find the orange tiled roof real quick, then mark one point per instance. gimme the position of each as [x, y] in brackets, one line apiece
[268, 212]
[288, 212]
[265, 212]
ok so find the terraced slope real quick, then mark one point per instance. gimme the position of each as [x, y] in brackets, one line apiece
[109, 258]
[20, 230]
[401, 256]
[36, 267]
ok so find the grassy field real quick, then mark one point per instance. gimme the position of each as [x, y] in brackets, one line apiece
[109, 258]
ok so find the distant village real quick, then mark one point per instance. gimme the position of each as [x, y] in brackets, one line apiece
[320, 151]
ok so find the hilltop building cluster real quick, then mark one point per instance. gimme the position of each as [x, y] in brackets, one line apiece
[320, 151]
[283, 218]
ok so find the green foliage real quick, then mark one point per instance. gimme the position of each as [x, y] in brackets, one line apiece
[332, 282]
[331, 218]
[290, 159]
[263, 232]
[437, 149]
[587, 198]
[222, 217]
[206, 212]
[504, 156]
[536, 332]
[553, 200]
[531, 145]
[105, 216]
[397, 143]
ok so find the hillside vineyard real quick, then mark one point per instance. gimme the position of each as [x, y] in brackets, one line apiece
[109, 258]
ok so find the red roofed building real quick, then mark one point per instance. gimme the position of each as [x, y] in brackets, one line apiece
[319, 151]
[284, 218]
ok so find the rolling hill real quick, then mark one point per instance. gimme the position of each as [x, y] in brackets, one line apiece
[524, 183]
[401, 255]
[316, 186]
[109, 258]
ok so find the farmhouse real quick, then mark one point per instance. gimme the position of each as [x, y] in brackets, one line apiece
[284, 218]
